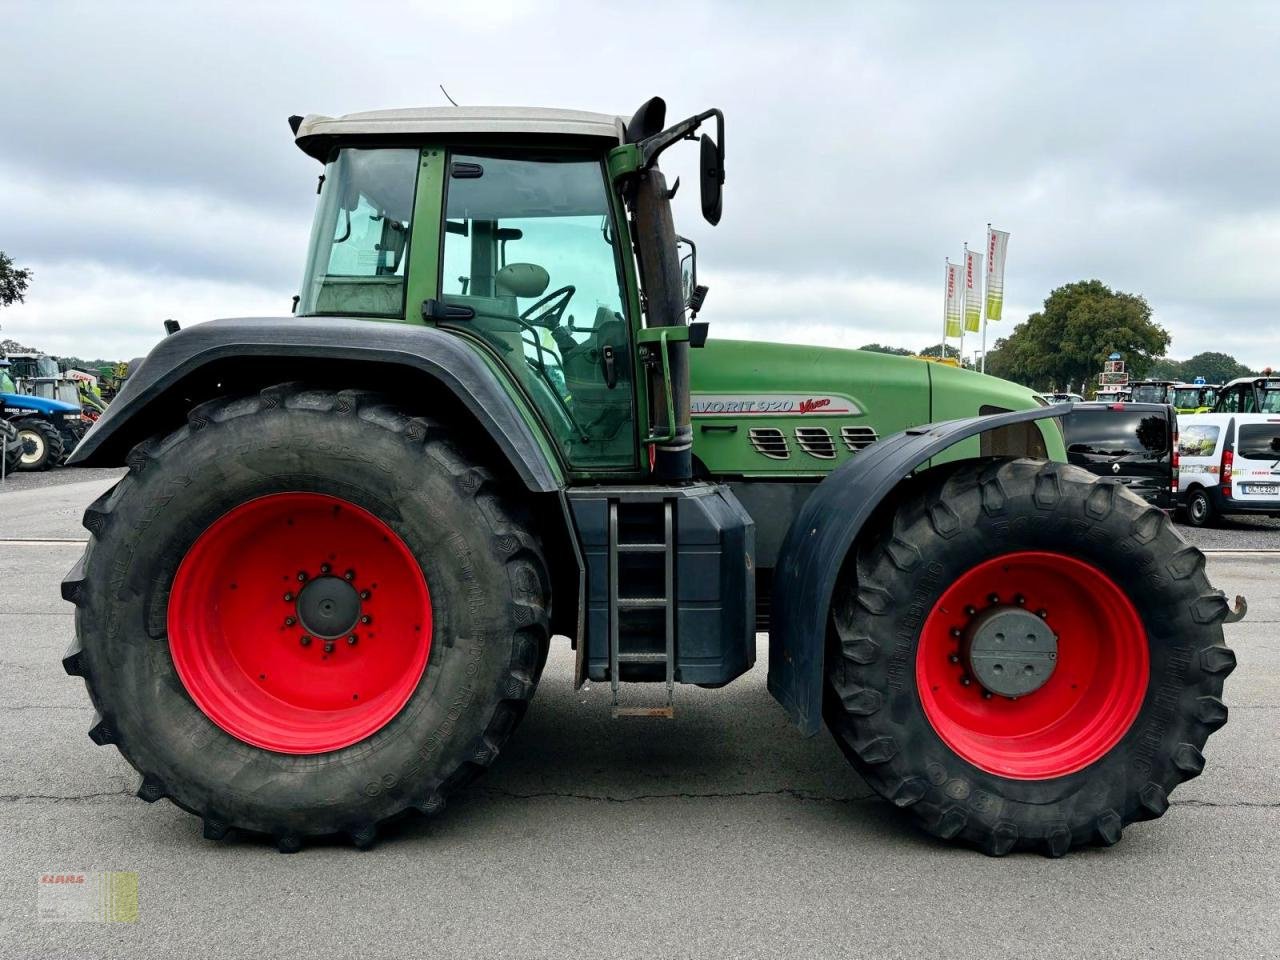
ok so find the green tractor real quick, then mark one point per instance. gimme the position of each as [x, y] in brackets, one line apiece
[323, 594]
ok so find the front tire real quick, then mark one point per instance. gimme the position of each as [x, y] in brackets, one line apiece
[248, 704]
[1025, 658]
[43, 447]
[1200, 511]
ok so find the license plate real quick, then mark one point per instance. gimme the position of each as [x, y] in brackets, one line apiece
[1261, 489]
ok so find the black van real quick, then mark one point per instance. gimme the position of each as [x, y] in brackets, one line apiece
[1127, 443]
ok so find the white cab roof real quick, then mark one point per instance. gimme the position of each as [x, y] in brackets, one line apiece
[433, 121]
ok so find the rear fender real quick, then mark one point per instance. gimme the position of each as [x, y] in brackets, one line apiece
[820, 538]
[251, 353]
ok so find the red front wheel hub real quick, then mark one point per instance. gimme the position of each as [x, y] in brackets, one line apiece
[1032, 665]
[300, 623]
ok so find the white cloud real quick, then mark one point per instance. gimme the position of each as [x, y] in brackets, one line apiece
[93, 312]
[865, 142]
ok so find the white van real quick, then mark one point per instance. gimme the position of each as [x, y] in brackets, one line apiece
[1228, 463]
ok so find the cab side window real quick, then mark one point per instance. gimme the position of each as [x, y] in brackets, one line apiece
[530, 247]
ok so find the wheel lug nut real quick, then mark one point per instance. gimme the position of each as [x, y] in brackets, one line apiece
[970, 611]
[364, 594]
[1042, 614]
[986, 694]
[366, 619]
[325, 568]
[954, 658]
[302, 576]
[290, 621]
[956, 631]
[1020, 600]
[288, 597]
[351, 640]
[349, 575]
[994, 598]
[965, 681]
[305, 640]
[328, 646]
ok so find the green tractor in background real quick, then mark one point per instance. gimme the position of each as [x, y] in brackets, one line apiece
[1197, 397]
[324, 593]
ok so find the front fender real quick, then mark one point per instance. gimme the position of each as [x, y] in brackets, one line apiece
[148, 401]
[821, 536]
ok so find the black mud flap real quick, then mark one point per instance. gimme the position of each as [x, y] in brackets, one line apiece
[820, 538]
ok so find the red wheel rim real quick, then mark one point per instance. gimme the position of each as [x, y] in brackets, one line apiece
[1089, 701]
[258, 623]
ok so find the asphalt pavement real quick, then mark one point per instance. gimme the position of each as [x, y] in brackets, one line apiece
[721, 833]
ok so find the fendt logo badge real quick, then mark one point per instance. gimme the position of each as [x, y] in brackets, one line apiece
[772, 404]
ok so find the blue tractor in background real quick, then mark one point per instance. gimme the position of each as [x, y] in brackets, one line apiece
[48, 430]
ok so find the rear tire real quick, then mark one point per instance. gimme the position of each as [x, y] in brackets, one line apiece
[42, 443]
[156, 668]
[1124, 714]
[1200, 511]
[12, 446]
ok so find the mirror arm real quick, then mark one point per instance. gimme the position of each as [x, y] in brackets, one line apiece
[651, 147]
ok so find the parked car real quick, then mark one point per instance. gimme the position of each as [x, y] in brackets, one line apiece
[1229, 463]
[1132, 444]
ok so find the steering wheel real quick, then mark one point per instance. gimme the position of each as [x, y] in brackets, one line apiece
[550, 316]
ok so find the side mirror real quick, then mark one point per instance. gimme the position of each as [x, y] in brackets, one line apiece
[711, 168]
[688, 267]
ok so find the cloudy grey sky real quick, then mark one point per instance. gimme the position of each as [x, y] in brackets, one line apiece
[146, 169]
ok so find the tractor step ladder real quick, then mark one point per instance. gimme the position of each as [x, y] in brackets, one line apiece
[623, 607]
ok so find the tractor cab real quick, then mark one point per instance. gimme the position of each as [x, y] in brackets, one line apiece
[524, 247]
[1152, 391]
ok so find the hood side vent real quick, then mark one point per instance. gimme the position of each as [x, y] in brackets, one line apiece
[816, 442]
[770, 442]
[855, 438]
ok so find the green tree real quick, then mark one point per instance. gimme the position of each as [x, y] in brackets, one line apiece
[882, 348]
[1067, 341]
[1214, 367]
[936, 350]
[14, 281]
[1166, 368]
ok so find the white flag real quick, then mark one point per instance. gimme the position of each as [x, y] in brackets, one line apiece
[997, 247]
[972, 291]
[952, 304]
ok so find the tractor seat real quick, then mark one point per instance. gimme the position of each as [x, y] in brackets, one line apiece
[521, 280]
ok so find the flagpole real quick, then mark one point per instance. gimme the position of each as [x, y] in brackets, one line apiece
[965, 261]
[946, 300]
[984, 301]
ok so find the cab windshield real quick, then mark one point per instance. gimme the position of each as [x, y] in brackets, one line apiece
[1269, 395]
[1187, 397]
[1150, 393]
[360, 240]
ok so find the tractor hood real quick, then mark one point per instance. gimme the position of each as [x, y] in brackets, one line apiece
[774, 409]
[21, 402]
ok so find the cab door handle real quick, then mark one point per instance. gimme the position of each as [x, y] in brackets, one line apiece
[609, 362]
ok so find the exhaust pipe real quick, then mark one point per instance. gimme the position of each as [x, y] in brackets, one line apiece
[655, 238]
